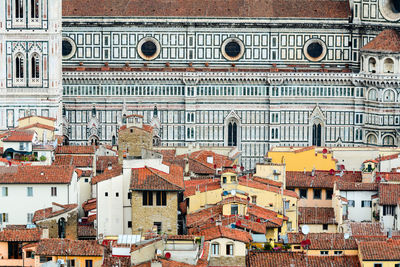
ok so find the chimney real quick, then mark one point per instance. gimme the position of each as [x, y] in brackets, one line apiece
[313, 172]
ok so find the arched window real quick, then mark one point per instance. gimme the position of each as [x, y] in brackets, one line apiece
[35, 68]
[19, 68]
[61, 228]
[317, 135]
[388, 140]
[34, 9]
[372, 140]
[372, 95]
[19, 9]
[388, 65]
[389, 96]
[113, 140]
[372, 65]
[232, 134]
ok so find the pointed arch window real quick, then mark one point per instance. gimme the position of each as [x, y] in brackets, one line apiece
[232, 134]
[35, 68]
[19, 10]
[35, 10]
[19, 69]
[317, 135]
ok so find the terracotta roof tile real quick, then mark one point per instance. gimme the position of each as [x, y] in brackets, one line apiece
[389, 176]
[75, 150]
[380, 250]
[202, 156]
[36, 175]
[203, 216]
[387, 157]
[19, 136]
[389, 194]
[316, 215]
[222, 231]
[86, 231]
[102, 162]
[272, 259]
[23, 235]
[387, 41]
[324, 241]
[47, 213]
[152, 179]
[74, 160]
[366, 229]
[42, 117]
[66, 247]
[115, 171]
[89, 205]
[266, 214]
[251, 183]
[267, 181]
[38, 125]
[351, 186]
[208, 8]
[203, 186]
[321, 179]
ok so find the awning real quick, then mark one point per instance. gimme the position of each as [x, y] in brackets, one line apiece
[11, 150]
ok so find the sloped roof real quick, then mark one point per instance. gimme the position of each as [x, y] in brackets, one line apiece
[316, 215]
[272, 259]
[48, 213]
[380, 250]
[20, 136]
[36, 174]
[67, 247]
[328, 241]
[151, 179]
[20, 235]
[222, 231]
[244, 181]
[351, 186]
[38, 125]
[116, 170]
[389, 194]
[102, 162]
[75, 160]
[321, 179]
[208, 8]
[387, 41]
[366, 229]
[75, 150]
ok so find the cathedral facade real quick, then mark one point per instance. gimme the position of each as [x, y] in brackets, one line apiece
[246, 73]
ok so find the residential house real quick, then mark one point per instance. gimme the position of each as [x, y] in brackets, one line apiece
[379, 253]
[272, 171]
[12, 242]
[44, 127]
[155, 194]
[319, 220]
[18, 144]
[27, 189]
[60, 220]
[86, 253]
[227, 246]
[389, 208]
[323, 244]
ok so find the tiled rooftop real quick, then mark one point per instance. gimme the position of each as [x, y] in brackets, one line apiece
[208, 8]
[75, 150]
[244, 181]
[324, 241]
[380, 250]
[351, 186]
[387, 41]
[67, 247]
[38, 125]
[115, 171]
[152, 179]
[366, 229]
[74, 160]
[316, 215]
[222, 231]
[389, 194]
[36, 175]
[321, 179]
[20, 235]
[47, 213]
[19, 136]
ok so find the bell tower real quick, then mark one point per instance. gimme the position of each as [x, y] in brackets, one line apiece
[30, 45]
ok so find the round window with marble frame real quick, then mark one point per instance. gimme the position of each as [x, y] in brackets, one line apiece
[68, 45]
[314, 50]
[390, 9]
[232, 49]
[152, 45]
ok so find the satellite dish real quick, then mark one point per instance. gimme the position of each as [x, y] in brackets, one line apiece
[233, 192]
[305, 229]
[346, 236]
[159, 252]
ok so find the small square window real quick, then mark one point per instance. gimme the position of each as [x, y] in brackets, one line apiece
[86, 180]
[338, 252]
[303, 193]
[329, 193]
[117, 194]
[296, 247]
[377, 264]
[351, 203]
[324, 252]
[317, 193]
[29, 191]
[129, 224]
[129, 195]
[106, 194]
[325, 227]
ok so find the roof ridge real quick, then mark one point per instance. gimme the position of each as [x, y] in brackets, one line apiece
[149, 168]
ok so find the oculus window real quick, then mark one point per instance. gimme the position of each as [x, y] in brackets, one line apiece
[68, 48]
[390, 9]
[232, 49]
[314, 50]
[148, 48]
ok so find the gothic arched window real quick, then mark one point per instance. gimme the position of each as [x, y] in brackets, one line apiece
[388, 140]
[19, 68]
[372, 140]
[61, 228]
[19, 9]
[317, 135]
[232, 134]
[34, 9]
[35, 68]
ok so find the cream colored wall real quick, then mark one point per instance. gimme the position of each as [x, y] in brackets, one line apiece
[146, 253]
[317, 228]
[332, 252]
[3, 250]
[201, 199]
[311, 202]
[239, 248]
[266, 171]
[34, 119]
[303, 160]
[79, 261]
[40, 131]
[226, 209]
[384, 263]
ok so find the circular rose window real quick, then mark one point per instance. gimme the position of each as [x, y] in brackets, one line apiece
[68, 48]
[148, 48]
[232, 49]
[314, 50]
[390, 9]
